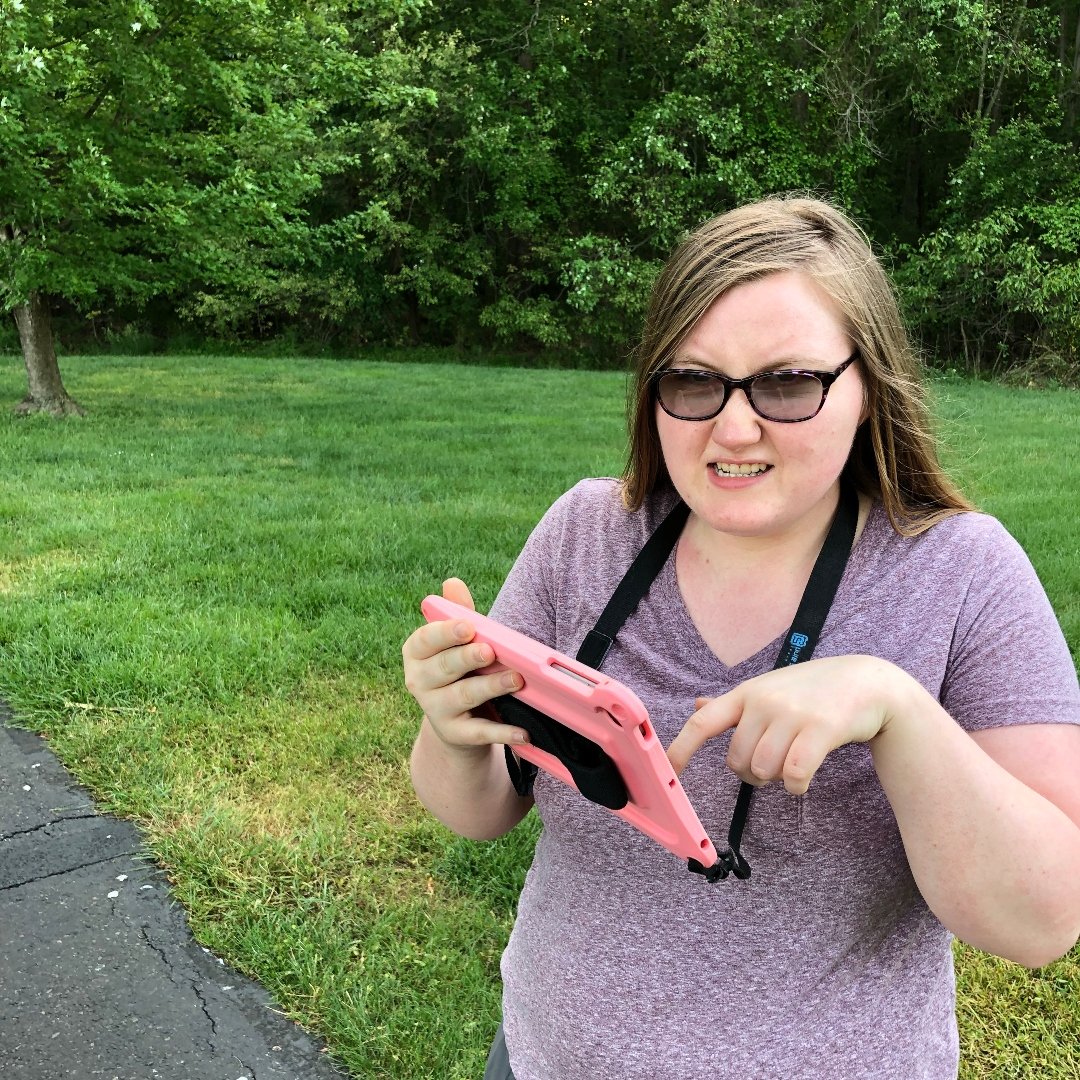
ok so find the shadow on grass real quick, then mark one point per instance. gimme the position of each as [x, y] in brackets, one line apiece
[493, 871]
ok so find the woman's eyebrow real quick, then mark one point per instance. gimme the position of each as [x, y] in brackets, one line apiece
[786, 363]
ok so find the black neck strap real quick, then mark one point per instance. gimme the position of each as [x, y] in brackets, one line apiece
[798, 646]
[635, 584]
[799, 641]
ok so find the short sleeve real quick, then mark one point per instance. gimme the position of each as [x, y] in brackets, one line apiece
[571, 564]
[528, 599]
[1009, 662]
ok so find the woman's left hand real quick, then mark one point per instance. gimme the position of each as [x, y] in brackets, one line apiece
[788, 720]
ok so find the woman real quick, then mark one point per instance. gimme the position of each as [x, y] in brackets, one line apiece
[915, 780]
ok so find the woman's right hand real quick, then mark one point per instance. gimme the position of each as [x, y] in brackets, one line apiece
[439, 658]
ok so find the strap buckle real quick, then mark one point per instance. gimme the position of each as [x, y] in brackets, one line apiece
[728, 862]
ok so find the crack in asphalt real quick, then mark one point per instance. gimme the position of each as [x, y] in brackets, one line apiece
[146, 937]
[206, 1013]
[68, 870]
[157, 949]
[178, 982]
[168, 964]
[46, 825]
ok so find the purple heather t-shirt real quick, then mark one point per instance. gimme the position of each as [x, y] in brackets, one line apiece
[826, 963]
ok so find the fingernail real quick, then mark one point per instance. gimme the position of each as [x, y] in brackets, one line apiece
[521, 738]
[511, 680]
[461, 630]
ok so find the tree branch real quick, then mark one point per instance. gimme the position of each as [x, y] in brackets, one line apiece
[98, 101]
[992, 106]
[982, 74]
[1076, 52]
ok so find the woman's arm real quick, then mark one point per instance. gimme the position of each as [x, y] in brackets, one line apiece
[467, 788]
[997, 860]
[990, 824]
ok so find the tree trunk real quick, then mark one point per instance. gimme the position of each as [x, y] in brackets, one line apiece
[46, 389]
[1073, 91]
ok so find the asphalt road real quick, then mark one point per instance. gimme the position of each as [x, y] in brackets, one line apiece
[99, 974]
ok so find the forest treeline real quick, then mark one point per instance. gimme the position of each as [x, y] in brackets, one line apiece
[511, 174]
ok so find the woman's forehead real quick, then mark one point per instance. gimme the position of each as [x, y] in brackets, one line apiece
[782, 319]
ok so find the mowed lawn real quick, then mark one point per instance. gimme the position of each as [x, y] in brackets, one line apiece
[204, 587]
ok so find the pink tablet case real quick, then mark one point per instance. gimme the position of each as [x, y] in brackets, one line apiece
[602, 710]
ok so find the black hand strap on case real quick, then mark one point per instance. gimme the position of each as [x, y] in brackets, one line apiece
[594, 773]
[590, 764]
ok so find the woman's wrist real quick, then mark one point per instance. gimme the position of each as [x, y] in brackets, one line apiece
[900, 697]
[468, 755]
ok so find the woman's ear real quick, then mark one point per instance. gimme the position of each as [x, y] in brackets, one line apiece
[867, 403]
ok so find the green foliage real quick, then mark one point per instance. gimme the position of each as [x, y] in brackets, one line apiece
[998, 279]
[512, 175]
[521, 170]
[161, 148]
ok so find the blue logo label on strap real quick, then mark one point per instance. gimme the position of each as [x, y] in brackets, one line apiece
[799, 640]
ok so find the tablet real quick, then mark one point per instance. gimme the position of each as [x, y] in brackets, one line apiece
[601, 742]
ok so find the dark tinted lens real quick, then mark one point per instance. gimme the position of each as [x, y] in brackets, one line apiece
[787, 395]
[690, 394]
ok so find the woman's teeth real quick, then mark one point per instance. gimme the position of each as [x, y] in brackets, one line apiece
[723, 469]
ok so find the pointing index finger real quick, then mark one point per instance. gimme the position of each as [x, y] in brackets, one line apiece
[713, 717]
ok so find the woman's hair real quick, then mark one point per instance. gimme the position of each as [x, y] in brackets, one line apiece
[894, 457]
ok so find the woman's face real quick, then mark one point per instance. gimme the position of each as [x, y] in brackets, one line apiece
[739, 473]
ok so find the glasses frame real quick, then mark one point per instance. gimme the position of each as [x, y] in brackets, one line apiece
[825, 378]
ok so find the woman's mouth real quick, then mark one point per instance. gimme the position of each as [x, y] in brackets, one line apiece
[729, 468]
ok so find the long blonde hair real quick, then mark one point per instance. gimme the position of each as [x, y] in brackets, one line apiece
[894, 457]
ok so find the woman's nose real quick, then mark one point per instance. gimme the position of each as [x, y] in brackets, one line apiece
[736, 424]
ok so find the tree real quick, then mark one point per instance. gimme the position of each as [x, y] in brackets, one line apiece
[520, 169]
[148, 147]
[479, 173]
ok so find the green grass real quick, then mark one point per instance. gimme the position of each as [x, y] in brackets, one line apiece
[204, 587]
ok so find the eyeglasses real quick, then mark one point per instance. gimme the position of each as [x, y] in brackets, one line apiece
[786, 397]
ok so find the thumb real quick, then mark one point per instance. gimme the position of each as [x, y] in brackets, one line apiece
[455, 589]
